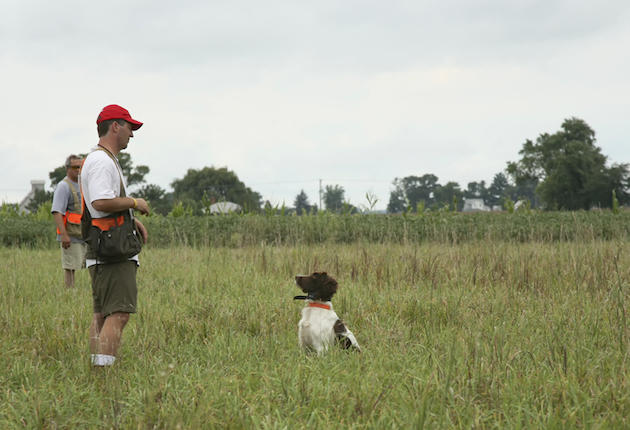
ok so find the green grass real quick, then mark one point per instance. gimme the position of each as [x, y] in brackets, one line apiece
[235, 231]
[482, 335]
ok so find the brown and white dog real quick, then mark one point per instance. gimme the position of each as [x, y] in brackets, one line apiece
[320, 326]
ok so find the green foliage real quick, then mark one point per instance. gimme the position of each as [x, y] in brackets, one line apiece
[476, 190]
[482, 335]
[56, 175]
[134, 175]
[448, 195]
[372, 200]
[569, 170]
[397, 199]
[180, 210]
[509, 205]
[159, 200]
[499, 190]
[302, 205]
[44, 212]
[40, 198]
[277, 226]
[411, 190]
[433, 226]
[216, 185]
[334, 198]
[9, 210]
[525, 206]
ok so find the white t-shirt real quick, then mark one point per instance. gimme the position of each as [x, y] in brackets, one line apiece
[100, 179]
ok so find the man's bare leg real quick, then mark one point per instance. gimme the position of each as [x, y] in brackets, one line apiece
[95, 329]
[69, 277]
[111, 333]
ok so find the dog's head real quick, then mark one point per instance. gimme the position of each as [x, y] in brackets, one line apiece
[318, 286]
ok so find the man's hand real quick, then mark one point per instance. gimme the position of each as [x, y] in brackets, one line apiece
[142, 206]
[61, 226]
[141, 228]
[65, 240]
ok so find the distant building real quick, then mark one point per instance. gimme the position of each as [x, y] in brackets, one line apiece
[36, 185]
[224, 208]
[519, 204]
[475, 205]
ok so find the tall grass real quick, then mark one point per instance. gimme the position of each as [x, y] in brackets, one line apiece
[440, 227]
[483, 335]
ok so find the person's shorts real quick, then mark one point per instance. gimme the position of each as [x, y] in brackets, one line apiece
[73, 258]
[114, 287]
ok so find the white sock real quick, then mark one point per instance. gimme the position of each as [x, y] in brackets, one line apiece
[102, 359]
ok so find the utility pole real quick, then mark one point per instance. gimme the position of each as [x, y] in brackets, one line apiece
[320, 194]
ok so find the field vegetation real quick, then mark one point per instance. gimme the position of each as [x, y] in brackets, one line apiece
[276, 227]
[475, 333]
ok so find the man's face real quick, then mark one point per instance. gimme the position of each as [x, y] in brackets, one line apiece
[73, 170]
[124, 134]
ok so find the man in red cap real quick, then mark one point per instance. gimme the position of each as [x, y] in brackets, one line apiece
[104, 192]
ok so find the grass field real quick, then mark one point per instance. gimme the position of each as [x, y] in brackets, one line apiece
[479, 335]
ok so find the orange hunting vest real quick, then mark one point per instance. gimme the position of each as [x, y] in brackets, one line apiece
[71, 216]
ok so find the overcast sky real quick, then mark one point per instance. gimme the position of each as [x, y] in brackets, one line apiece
[285, 93]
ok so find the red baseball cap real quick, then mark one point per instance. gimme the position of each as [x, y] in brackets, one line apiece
[117, 112]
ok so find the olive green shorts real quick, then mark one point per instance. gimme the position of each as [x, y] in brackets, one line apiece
[114, 287]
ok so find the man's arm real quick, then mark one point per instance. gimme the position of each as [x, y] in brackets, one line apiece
[65, 238]
[118, 204]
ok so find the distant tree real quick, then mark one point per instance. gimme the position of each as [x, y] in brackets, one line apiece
[133, 175]
[397, 201]
[569, 170]
[449, 195]
[499, 189]
[334, 197]
[476, 190]
[159, 200]
[411, 190]
[302, 205]
[57, 175]
[348, 208]
[214, 184]
[420, 189]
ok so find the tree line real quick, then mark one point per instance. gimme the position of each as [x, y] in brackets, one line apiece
[561, 171]
[565, 170]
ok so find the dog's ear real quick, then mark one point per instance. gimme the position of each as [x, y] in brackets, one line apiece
[328, 287]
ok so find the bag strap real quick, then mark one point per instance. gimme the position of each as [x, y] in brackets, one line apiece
[75, 195]
[122, 185]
